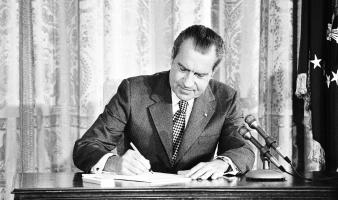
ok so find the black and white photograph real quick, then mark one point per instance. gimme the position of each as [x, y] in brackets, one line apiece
[168, 99]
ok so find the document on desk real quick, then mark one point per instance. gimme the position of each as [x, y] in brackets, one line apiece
[155, 178]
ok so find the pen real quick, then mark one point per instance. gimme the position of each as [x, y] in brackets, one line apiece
[135, 149]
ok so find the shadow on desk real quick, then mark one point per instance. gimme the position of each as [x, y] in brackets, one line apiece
[70, 186]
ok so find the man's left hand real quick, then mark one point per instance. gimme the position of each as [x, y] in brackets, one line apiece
[204, 170]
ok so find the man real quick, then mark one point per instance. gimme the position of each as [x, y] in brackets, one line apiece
[175, 119]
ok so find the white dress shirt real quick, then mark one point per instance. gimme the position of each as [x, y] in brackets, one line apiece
[175, 106]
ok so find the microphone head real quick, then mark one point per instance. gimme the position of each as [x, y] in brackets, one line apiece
[244, 132]
[251, 121]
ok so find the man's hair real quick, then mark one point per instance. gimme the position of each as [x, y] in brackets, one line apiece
[203, 38]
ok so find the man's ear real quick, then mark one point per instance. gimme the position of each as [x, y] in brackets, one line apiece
[218, 64]
[215, 70]
[171, 64]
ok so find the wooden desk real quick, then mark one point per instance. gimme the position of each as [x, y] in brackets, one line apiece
[70, 186]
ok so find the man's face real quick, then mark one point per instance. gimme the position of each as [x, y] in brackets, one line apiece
[191, 71]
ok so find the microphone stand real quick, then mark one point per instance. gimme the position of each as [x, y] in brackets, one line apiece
[265, 174]
[265, 161]
[269, 142]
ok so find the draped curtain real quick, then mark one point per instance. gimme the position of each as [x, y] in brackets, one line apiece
[62, 60]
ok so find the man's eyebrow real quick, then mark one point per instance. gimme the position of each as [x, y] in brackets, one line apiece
[202, 74]
[180, 64]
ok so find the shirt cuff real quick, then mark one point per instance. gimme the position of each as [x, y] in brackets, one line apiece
[98, 167]
[232, 170]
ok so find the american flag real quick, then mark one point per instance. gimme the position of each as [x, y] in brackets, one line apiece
[317, 78]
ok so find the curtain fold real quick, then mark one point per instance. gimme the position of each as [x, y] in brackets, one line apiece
[276, 68]
[62, 60]
[10, 145]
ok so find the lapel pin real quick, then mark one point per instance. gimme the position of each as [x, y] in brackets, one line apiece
[205, 114]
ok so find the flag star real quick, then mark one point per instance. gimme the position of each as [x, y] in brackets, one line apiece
[316, 62]
[335, 77]
[328, 81]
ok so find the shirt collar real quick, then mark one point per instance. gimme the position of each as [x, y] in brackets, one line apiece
[175, 99]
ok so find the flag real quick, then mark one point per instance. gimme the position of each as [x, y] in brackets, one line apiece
[317, 80]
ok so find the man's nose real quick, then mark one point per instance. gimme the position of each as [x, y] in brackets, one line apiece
[188, 80]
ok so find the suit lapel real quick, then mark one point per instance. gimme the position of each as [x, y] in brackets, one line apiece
[203, 109]
[161, 113]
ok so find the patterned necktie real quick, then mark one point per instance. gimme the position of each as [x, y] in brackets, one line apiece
[178, 128]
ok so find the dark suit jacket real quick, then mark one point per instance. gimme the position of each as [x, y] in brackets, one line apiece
[141, 112]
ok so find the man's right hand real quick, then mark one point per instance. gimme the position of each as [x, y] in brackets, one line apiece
[131, 163]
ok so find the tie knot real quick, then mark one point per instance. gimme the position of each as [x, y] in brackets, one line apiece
[183, 105]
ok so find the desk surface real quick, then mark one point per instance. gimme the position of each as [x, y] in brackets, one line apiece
[70, 186]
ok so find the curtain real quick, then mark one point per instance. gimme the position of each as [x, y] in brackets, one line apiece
[62, 60]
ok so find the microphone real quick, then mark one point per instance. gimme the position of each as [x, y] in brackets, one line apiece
[245, 133]
[252, 122]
